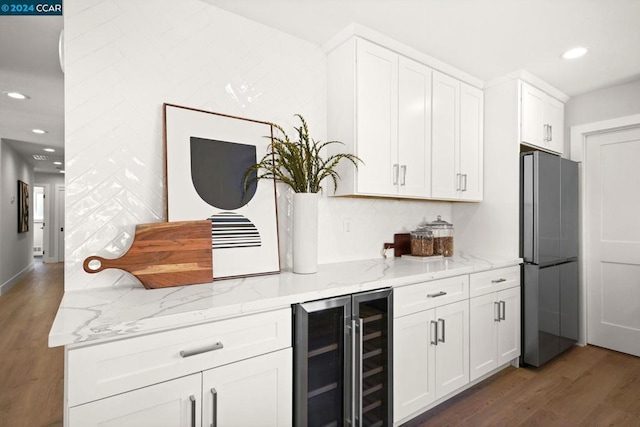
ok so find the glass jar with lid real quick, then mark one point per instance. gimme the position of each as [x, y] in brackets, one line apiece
[442, 237]
[422, 242]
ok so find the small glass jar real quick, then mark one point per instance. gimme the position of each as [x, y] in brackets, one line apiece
[442, 237]
[422, 242]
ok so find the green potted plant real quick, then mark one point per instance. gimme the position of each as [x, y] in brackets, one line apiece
[300, 165]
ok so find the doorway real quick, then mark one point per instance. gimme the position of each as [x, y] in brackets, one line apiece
[611, 237]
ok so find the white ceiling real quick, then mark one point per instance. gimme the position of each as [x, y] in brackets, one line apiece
[485, 38]
[29, 64]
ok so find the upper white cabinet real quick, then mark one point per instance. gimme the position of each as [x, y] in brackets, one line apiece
[380, 107]
[457, 161]
[386, 108]
[542, 120]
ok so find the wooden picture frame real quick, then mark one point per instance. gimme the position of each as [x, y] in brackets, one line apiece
[23, 207]
[206, 157]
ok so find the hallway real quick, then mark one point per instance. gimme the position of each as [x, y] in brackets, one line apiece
[31, 374]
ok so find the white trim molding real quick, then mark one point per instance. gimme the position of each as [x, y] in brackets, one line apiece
[579, 136]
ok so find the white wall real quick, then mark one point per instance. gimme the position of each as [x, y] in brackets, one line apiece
[16, 249]
[124, 59]
[53, 179]
[610, 103]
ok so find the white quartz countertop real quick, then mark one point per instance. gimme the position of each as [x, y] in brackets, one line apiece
[126, 311]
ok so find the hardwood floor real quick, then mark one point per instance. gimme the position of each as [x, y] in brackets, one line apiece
[586, 386]
[31, 374]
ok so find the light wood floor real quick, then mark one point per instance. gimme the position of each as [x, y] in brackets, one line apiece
[31, 374]
[586, 386]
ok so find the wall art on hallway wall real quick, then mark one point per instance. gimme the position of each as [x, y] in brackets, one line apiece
[206, 157]
[23, 207]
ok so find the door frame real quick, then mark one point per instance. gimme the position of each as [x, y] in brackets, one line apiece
[59, 222]
[579, 135]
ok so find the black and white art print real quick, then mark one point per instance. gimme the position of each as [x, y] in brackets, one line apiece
[207, 155]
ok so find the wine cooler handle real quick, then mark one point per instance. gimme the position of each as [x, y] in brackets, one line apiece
[192, 398]
[214, 418]
[354, 401]
[360, 369]
[434, 334]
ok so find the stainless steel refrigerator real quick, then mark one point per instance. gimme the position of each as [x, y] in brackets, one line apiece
[549, 246]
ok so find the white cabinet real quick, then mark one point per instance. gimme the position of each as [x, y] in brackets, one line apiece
[457, 143]
[174, 403]
[380, 107]
[167, 378]
[251, 392]
[431, 343]
[542, 120]
[495, 320]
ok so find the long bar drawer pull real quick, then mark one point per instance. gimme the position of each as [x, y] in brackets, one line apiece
[498, 280]
[439, 294]
[189, 353]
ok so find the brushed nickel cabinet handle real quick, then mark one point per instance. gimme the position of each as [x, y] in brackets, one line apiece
[439, 294]
[496, 317]
[189, 353]
[434, 332]
[498, 280]
[395, 174]
[403, 170]
[504, 310]
[192, 398]
[214, 418]
[443, 338]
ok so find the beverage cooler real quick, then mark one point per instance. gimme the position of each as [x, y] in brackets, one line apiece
[343, 361]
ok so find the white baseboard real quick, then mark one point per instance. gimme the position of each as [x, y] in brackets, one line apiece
[4, 288]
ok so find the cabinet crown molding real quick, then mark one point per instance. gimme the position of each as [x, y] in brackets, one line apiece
[361, 31]
[533, 80]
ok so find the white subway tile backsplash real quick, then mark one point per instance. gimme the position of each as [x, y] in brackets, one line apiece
[127, 57]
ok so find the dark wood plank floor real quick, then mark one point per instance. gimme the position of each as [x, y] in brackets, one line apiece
[31, 374]
[586, 386]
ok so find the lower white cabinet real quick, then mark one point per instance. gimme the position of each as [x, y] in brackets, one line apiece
[495, 330]
[431, 353]
[250, 392]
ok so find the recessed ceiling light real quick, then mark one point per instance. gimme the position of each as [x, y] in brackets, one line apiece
[16, 95]
[57, 163]
[575, 52]
[49, 150]
[38, 131]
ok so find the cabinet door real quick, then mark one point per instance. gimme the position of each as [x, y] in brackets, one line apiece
[413, 363]
[445, 181]
[414, 129]
[554, 118]
[452, 352]
[172, 403]
[252, 392]
[483, 335]
[377, 119]
[509, 325]
[471, 142]
[532, 130]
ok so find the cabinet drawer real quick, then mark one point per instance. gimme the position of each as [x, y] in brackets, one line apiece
[102, 370]
[423, 296]
[494, 280]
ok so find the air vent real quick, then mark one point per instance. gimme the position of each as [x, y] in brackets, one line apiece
[48, 158]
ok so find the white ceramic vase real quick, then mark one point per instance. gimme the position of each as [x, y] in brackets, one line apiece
[305, 233]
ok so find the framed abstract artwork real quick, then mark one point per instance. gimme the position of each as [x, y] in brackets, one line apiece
[23, 207]
[206, 157]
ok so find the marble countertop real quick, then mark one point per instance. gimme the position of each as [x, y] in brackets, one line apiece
[125, 311]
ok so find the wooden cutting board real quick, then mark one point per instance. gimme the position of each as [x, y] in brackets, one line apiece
[165, 254]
